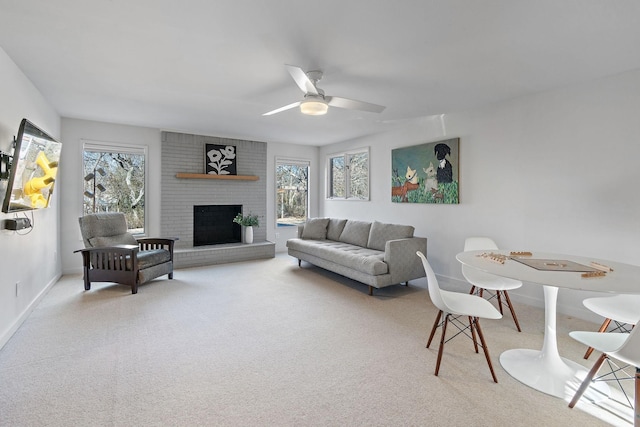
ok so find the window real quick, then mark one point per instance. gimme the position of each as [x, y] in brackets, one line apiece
[348, 175]
[292, 191]
[114, 181]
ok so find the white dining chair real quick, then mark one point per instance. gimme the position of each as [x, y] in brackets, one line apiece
[454, 305]
[620, 346]
[623, 310]
[481, 281]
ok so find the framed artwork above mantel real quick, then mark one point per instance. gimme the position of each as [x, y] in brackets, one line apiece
[220, 159]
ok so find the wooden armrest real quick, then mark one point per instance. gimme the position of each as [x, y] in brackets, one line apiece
[117, 248]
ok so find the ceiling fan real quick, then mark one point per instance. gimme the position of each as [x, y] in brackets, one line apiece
[315, 102]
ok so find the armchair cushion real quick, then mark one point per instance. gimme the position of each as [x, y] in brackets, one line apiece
[153, 257]
[118, 239]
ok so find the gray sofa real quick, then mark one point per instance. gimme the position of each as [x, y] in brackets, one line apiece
[375, 254]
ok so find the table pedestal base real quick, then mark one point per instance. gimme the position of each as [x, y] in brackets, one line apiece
[549, 374]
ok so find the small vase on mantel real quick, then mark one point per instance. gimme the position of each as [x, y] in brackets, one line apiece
[248, 234]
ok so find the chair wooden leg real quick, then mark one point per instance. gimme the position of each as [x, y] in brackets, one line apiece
[441, 348]
[435, 326]
[603, 328]
[513, 312]
[473, 289]
[499, 296]
[476, 323]
[473, 334]
[587, 381]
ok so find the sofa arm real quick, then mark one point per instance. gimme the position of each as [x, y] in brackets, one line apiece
[300, 230]
[400, 256]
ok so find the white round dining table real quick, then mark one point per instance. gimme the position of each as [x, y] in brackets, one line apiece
[545, 370]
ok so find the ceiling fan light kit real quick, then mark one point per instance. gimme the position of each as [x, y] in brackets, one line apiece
[313, 106]
[315, 103]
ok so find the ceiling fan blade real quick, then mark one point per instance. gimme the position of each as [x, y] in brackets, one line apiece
[301, 79]
[352, 104]
[278, 110]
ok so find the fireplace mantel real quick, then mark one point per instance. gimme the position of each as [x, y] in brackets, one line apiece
[184, 175]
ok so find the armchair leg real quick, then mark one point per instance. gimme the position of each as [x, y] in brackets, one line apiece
[171, 275]
[87, 283]
[134, 288]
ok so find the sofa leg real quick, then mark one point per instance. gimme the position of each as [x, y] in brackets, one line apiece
[370, 290]
[406, 283]
[171, 275]
[134, 288]
[87, 283]
[299, 262]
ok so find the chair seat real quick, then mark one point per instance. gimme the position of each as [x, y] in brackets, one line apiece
[469, 305]
[622, 308]
[153, 257]
[483, 280]
[605, 343]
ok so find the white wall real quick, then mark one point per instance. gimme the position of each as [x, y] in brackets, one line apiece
[555, 172]
[32, 259]
[74, 133]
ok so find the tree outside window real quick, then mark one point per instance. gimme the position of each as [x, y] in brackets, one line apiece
[114, 181]
[292, 191]
[348, 175]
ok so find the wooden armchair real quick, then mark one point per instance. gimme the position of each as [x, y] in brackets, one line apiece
[112, 254]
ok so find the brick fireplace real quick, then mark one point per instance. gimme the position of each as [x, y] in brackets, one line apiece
[184, 153]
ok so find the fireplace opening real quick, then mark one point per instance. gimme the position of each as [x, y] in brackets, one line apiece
[213, 224]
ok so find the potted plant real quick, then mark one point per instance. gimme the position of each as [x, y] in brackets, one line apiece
[248, 222]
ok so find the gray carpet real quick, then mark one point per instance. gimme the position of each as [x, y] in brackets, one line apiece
[268, 343]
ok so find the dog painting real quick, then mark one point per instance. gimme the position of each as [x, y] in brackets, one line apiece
[431, 176]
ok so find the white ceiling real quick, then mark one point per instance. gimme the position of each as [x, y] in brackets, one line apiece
[213, 67]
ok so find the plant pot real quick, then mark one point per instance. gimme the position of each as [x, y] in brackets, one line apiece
[248, 234]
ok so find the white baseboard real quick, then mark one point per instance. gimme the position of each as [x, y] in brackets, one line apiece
[7, 334]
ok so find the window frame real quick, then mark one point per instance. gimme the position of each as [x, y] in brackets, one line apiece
[114, 147]
[281, 160]
[346, 155]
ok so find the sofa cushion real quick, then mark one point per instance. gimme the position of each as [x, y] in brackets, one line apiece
[364, 260]
[380, 233]
[335, 227]
[315, 228]
[356, 233]
[119, 239]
